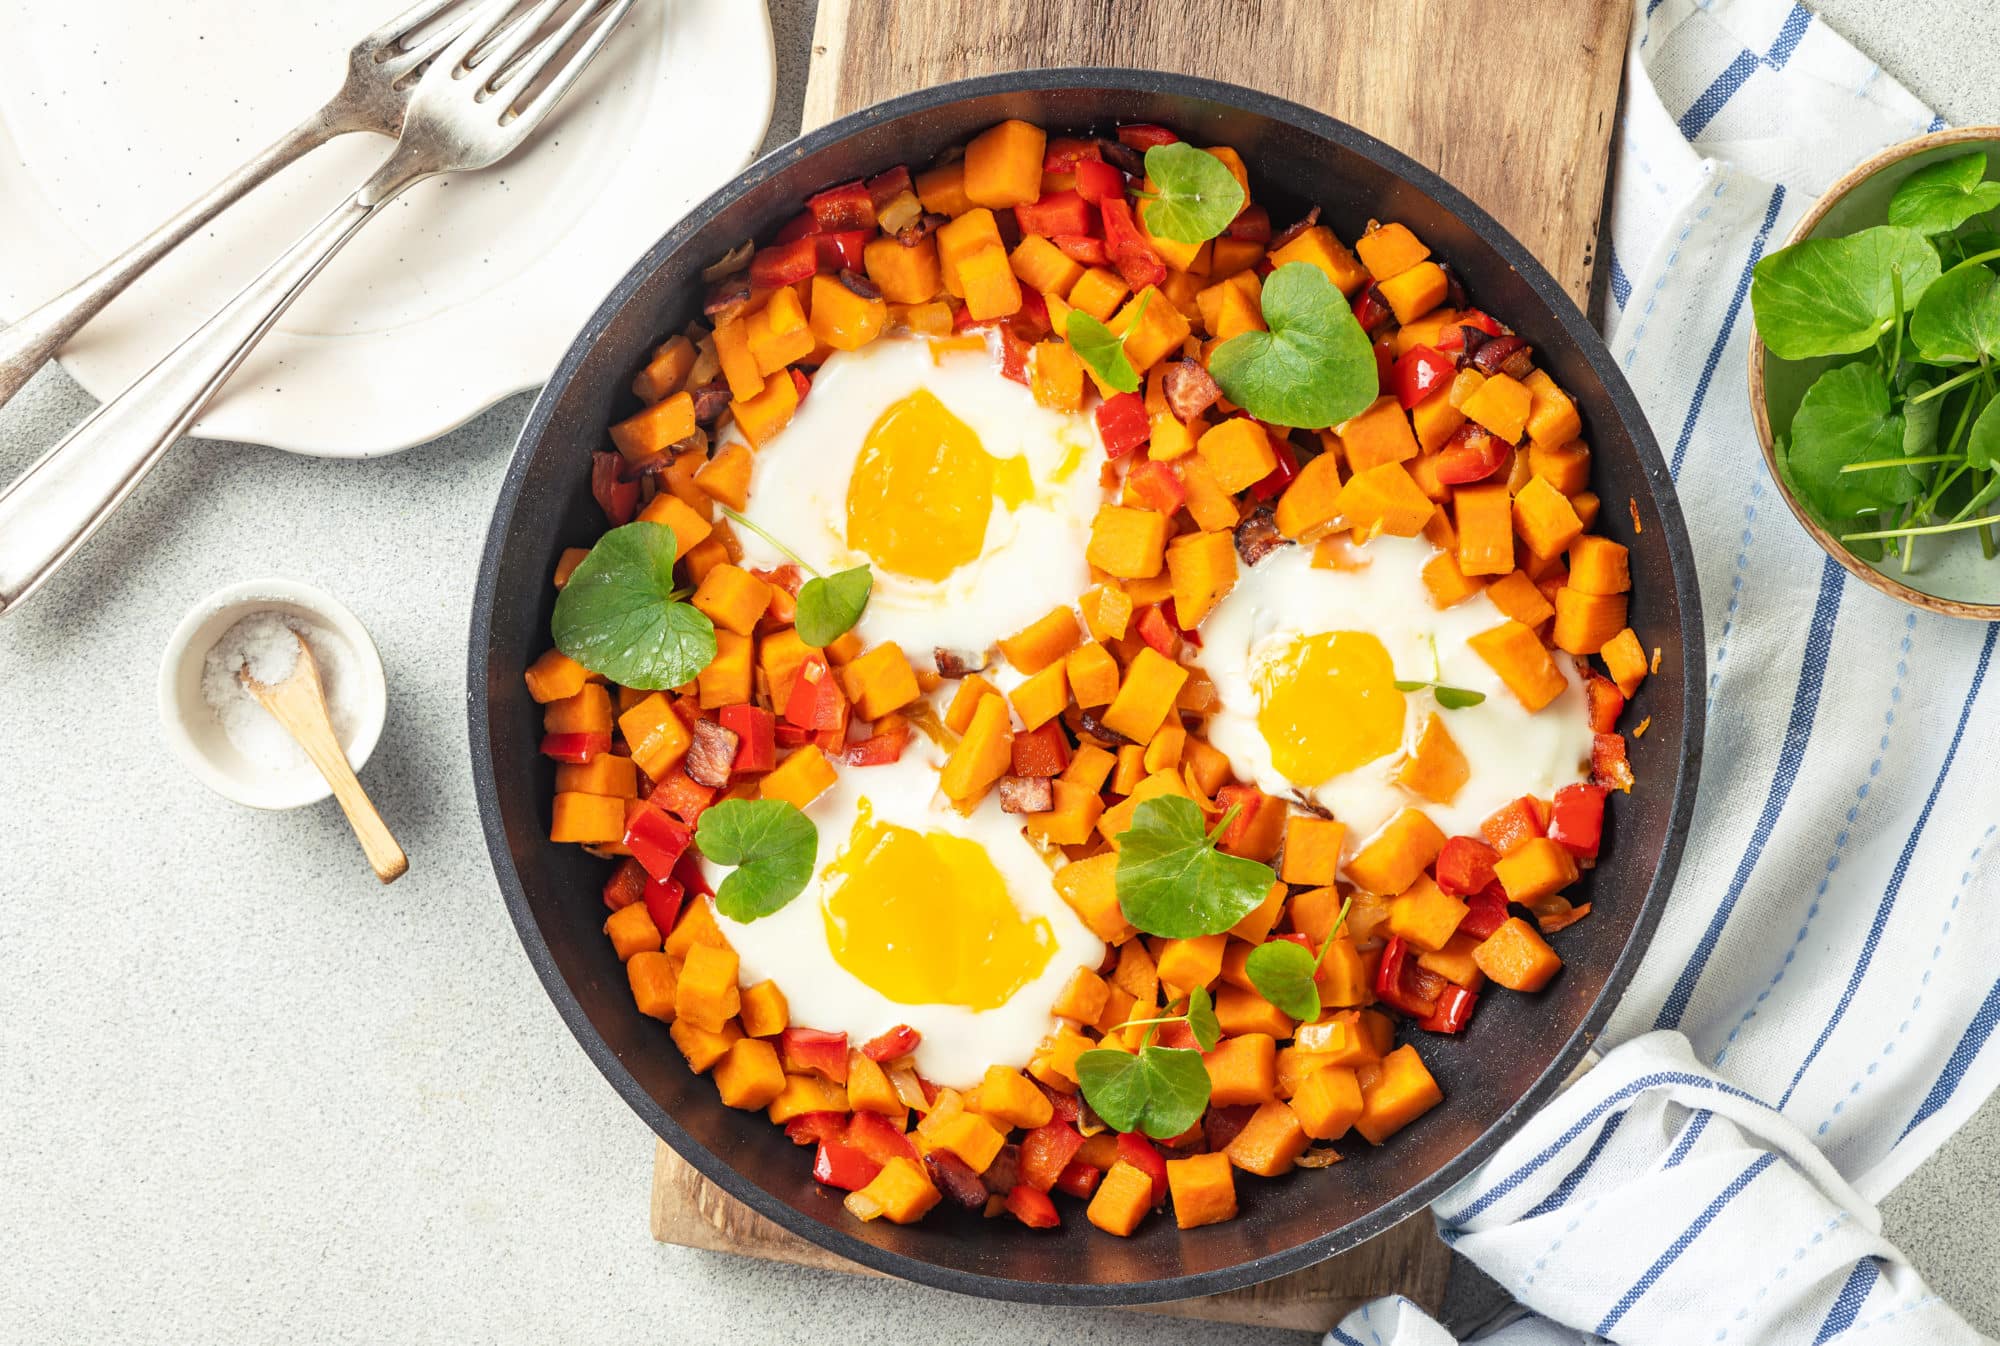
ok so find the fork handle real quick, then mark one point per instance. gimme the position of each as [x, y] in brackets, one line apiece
[30, 343]
[54, 507]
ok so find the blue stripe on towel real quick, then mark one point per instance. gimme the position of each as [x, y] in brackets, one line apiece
[1737, 73]
[1728, 328]
[1984, 1021]
[1621, 284]
[1798, 733]
[1900, 872]
[1847, 1304]
[1685, 1241]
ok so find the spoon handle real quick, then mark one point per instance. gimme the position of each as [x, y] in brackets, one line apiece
[384, 853]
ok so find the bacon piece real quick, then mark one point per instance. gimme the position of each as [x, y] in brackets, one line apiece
[1257, 536]
[710, 754]
[1026, 794]
[1190, 389]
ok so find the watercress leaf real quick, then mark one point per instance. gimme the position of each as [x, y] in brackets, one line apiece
[772, 846]
[1941, 196]
[1160, 1091]
[1921, 419]
[1982, 448]
[1835, 296]
[618, 615]
[1282, 973]
[1201, 1019]
[1402, 686]
[1171, 879]
[1103, 350]
[1313, 369]
[1846, 417]
[830, 605]
[1195, 196]
[1958, 319]
[1457, 698]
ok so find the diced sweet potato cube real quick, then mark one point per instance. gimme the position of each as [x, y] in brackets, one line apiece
[655, 429]
[1042, 697]
[1146, 697]
[1552, 417]
[555, 677]
[800, 778]
[1344, 978]
[1056, 376]
[1537, 868]
[1416, 291]
[1384, 498]
[990, 288]
[843, 319]
[1041, 265]
[1585, 621]
[1187, 963]
[1394, 856]
[1447, 584]
[1348, 1037]
[1083, 997]
[1597, 565]
[1564, 466]
[1381, 434]
[880, 681]
[966, 234]
[1517, 957]
[983, 755]
[1003, 164]
[1544, 518]
[1312, 500]
[697, 926]
[1122, 1199]
[1270, 1142]
[739, 366]
[1389, 250]
[733, 598]
[1242, 1069]
[1043, 642]
[703, 1047]
[764, 1010]
[1454, 962]
[1203, 1188]
[1239, 454]
[777, 333]
[1128, 543]
[1311, 854]
[1436, 768]
[665, 371]
[1485, 522]
[749, 1075]
[1212, 508]
[904, 275]
[1318, 246]
[728, 680]
[1517, 597]
[1435, 418]
[1515, 653]
[1203, 569]
[604, 774]
[1257, 922]
[806, 1093]
[1157, 330]
[652, 976]
[587, 819]
[1093, 675]
[1098, 292]
[657, 736]
[1501, 405]
[901, 1193]
[706, 994]
[1625, 659]
[869, 1089]
[1425, 915]
[942, 189]
[1328, 1102]
[1395, 1092]
[1006, 1096]
[1241, 1010]
[690, 529]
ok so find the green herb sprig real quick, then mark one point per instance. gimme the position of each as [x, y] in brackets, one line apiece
[829, 605]
[1171, 879]
[1897, 437]
[1313, 369]
[772, 846]
[1103, 349]
[621, 615]
[1284, 973]
[1160, 1091]
[1447, 697]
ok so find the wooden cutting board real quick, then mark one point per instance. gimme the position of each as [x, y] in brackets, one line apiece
[1513, 104]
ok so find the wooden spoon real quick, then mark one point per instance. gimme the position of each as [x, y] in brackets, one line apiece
[299, 704]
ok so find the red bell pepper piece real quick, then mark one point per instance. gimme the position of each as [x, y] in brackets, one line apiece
[1252, 224]
[1421, 372]
[1122, 424]
[1513, 824]
[790, 735]
[839, 1164]
[682, 795]
[1172, 613]
[799, 226]
[655, 840]
[1465, 865]
[1079, 1179]
[885, 745]
[848, 206]
[1139, 267]
[816, 703]
[1485, 911]
[1371, 310]
[1471, 454]
[1041, 752]
[841, 251]
[1384, 347]
[1156, 485]
[1057, 213]
[1157, 631]
[1013, 356]
[575, 748]
[1083, 248]
[756, 748]
[1608, 764]
[1068, 1107]
[801, 382]
[898, 1041]
[1130, 252]
[1142, 136]
[1219, 1126]
[1454, 1010]
[626, 885]
[1064, 153]
[1046, 1151]
[1032, 1208]
[1098, 181]
[1030, 321]
[1251, 799]
[811, 1049]
[887, 185]
[1401, 984]
[879, 1138]
[1576, 822]
[1143, 1155]
[810, 1128]
[687, 873]
[618, 498]
[784, 263]
[1452, 338]
[1273, 483]
[1176, 1035]
[663, 902]
[1606, 702]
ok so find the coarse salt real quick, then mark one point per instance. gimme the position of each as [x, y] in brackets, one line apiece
[264, 643]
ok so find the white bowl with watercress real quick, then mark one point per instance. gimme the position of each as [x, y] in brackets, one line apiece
[1875, 371]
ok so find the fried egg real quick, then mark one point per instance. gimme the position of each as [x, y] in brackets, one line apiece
[919, 915]
[1306, 660]
[970, 501]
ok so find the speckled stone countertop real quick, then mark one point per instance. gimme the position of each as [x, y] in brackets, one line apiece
[252, 1096]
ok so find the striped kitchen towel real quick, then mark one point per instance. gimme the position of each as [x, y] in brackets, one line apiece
[1818, 1010]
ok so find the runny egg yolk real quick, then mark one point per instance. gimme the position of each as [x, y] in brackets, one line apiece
[923, 489]
[1328, 703]
[924, 918]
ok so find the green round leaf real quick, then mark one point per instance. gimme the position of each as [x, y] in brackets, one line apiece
[1313, 369]
[619, 616]
[1201, 1019]
[1161, 1091]
[1921, 419]
[1835, 296]
[1982, 450]
[1171, 879]
[1102, 349]
[1958, 319]
[1282, 973]
[1846, 417]
[1941, 196]
[830, 605]
[772, 846]
[1195, 196]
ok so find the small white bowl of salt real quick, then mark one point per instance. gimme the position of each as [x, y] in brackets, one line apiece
[213, 723]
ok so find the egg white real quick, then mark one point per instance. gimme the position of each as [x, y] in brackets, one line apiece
[1033, 556]
[1510, 752]
[789, 947]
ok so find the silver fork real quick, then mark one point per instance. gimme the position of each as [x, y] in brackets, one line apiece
[481, 98]
[371, 98]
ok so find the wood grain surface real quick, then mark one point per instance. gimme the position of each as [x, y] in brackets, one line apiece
[1512, 104]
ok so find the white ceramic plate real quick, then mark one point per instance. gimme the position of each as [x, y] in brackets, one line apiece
[113, 113]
